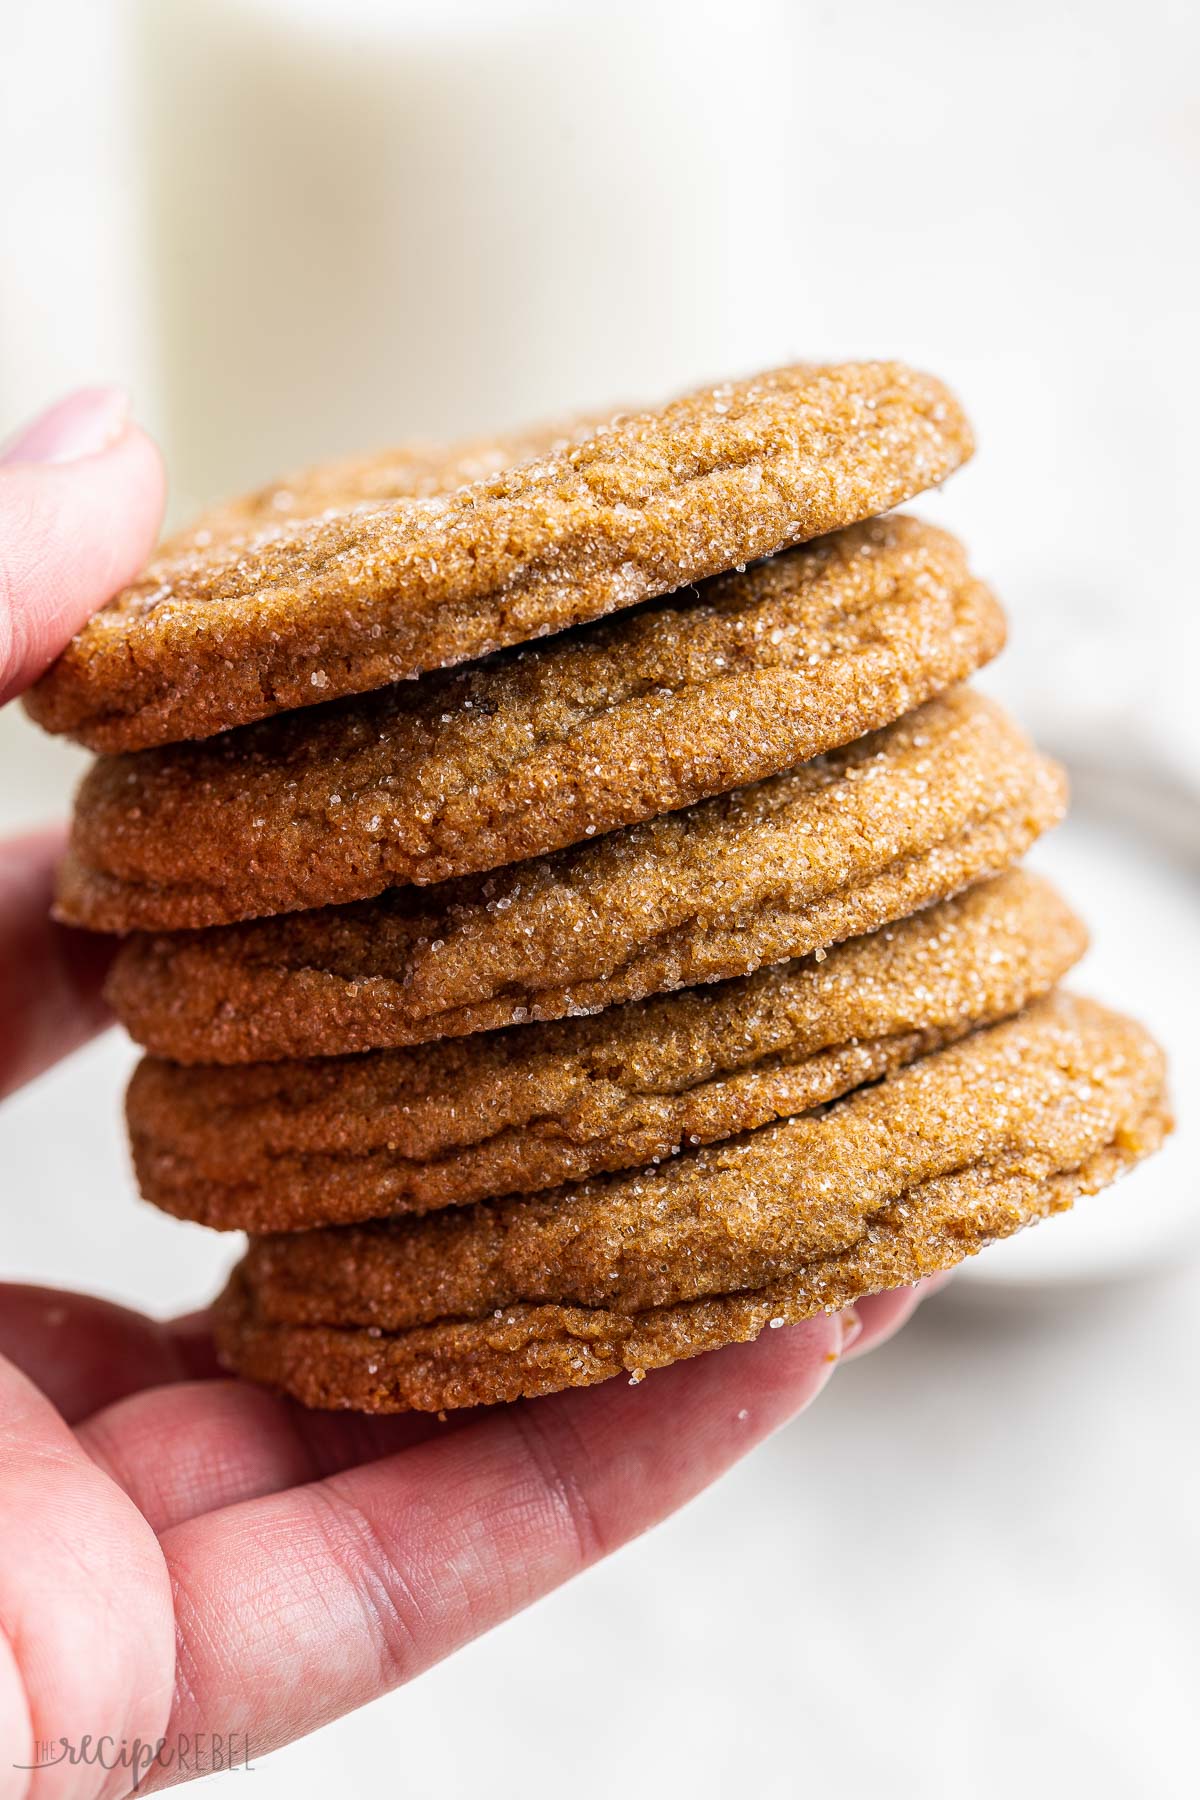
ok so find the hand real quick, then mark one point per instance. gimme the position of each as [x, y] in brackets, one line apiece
[184, 1557]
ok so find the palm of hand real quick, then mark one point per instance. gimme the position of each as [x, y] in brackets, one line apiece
[199, 1559]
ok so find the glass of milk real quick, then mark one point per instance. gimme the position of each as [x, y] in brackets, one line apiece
[372, 220]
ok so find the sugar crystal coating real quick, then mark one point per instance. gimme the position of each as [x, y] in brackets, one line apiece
[283, 1146]
[632, 1271]
[235, 629]
[946, 796]
[537, 748]
[409, 471]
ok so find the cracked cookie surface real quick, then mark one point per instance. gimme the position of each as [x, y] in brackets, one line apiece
[951, 793]
[285, 1146]
[629, 1272]
[416, 470]
[218, 635]
[536, 749]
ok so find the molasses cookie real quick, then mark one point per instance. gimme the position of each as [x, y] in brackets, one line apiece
[537, 748]
[946, 796]
[366, 594]
[289, 1145]
[628, 1272]
[411, 471]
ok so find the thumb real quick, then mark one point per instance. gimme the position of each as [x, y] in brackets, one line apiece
[81, 497]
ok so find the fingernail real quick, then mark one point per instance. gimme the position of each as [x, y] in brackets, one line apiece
[851, 1327]
[83, 424]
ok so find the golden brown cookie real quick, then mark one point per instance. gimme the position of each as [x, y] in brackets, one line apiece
[626, 1273]
[217, 636]
[412, 471]
[283, 1146]
[948, 795]
[537, 748]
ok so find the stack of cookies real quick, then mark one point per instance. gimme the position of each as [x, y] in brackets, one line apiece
[569, 899]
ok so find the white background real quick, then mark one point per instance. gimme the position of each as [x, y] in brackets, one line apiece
[974, 1566]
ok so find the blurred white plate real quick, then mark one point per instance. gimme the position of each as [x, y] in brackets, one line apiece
[1129, 859]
